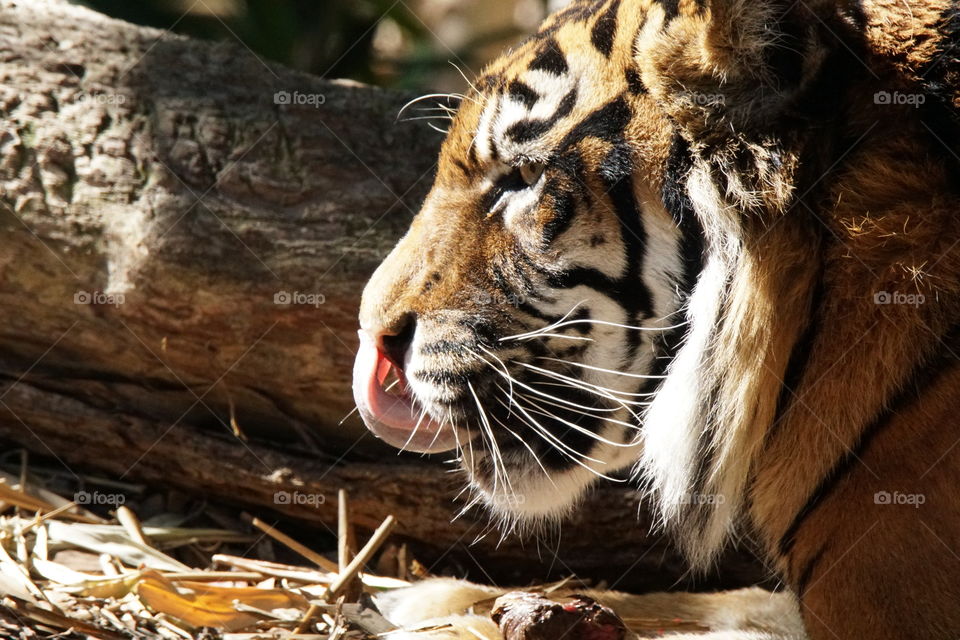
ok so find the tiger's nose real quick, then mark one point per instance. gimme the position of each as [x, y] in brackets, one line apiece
[394, 341]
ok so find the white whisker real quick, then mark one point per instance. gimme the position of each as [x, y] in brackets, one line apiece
[591, 415]
[596, 389]
[543, 393]
[544, 412]
[495, 452]
[602, 370]
[551, 439]
[464, 76]
[447, 96]
[572, 454]
[549, 327]
[526, 444]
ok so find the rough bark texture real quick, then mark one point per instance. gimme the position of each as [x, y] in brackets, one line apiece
[139, 166]
[160, 200]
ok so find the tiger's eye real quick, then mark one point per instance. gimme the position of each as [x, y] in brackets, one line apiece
[531, 172]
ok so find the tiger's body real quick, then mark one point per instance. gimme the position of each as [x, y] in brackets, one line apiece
[714, 241]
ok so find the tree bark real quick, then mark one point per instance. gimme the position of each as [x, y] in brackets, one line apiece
[187, 231]
[158, 179]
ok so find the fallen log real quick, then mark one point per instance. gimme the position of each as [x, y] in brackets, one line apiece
[187, 227]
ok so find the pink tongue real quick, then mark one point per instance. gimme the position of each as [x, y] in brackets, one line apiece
[392, 418]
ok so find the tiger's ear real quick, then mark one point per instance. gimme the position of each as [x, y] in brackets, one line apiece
[717, 65]
[735, 77]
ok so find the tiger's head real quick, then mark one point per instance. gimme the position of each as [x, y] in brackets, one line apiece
[530, 307]
[549, 313]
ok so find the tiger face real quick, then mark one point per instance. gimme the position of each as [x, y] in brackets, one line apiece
[528, 316]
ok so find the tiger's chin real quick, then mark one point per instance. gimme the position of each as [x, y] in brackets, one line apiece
[534, 496]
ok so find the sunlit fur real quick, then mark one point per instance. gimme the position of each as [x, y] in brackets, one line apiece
[786, 209]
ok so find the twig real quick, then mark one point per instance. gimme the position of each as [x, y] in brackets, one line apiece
[27, 502]
[284, 539]
[169, 626]
[131, 524]
[24, 466]
[307, 619]
[376, 540]
[50, 514]
[346, 545]
[214, 576]
[275, 569]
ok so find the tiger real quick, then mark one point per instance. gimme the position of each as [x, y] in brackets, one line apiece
[709, 247]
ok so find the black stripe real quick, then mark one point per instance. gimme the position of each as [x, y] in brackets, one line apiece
[800, 356]
[444, 346]
[636, 298]
[523, 93]
[617, 164]
[634, 82]
[920, 379]
[564, 207]
[671, 8]
[563, 200]
[459, 164]
[531, 310]
[609, 123]
[605, 29]
[800, 586]
[677, 203]
[585, 276]
[550, 59]
[529, 289]
[527, 130]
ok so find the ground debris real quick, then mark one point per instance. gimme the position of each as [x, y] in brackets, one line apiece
[68, 572]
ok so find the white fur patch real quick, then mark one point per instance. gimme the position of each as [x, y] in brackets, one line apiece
[674, 423]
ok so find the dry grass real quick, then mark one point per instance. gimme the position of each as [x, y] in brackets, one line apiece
[66, 571]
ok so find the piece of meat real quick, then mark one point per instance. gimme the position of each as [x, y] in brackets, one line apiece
[531, 616]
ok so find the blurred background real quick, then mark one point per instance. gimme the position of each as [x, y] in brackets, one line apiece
[407, 44]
